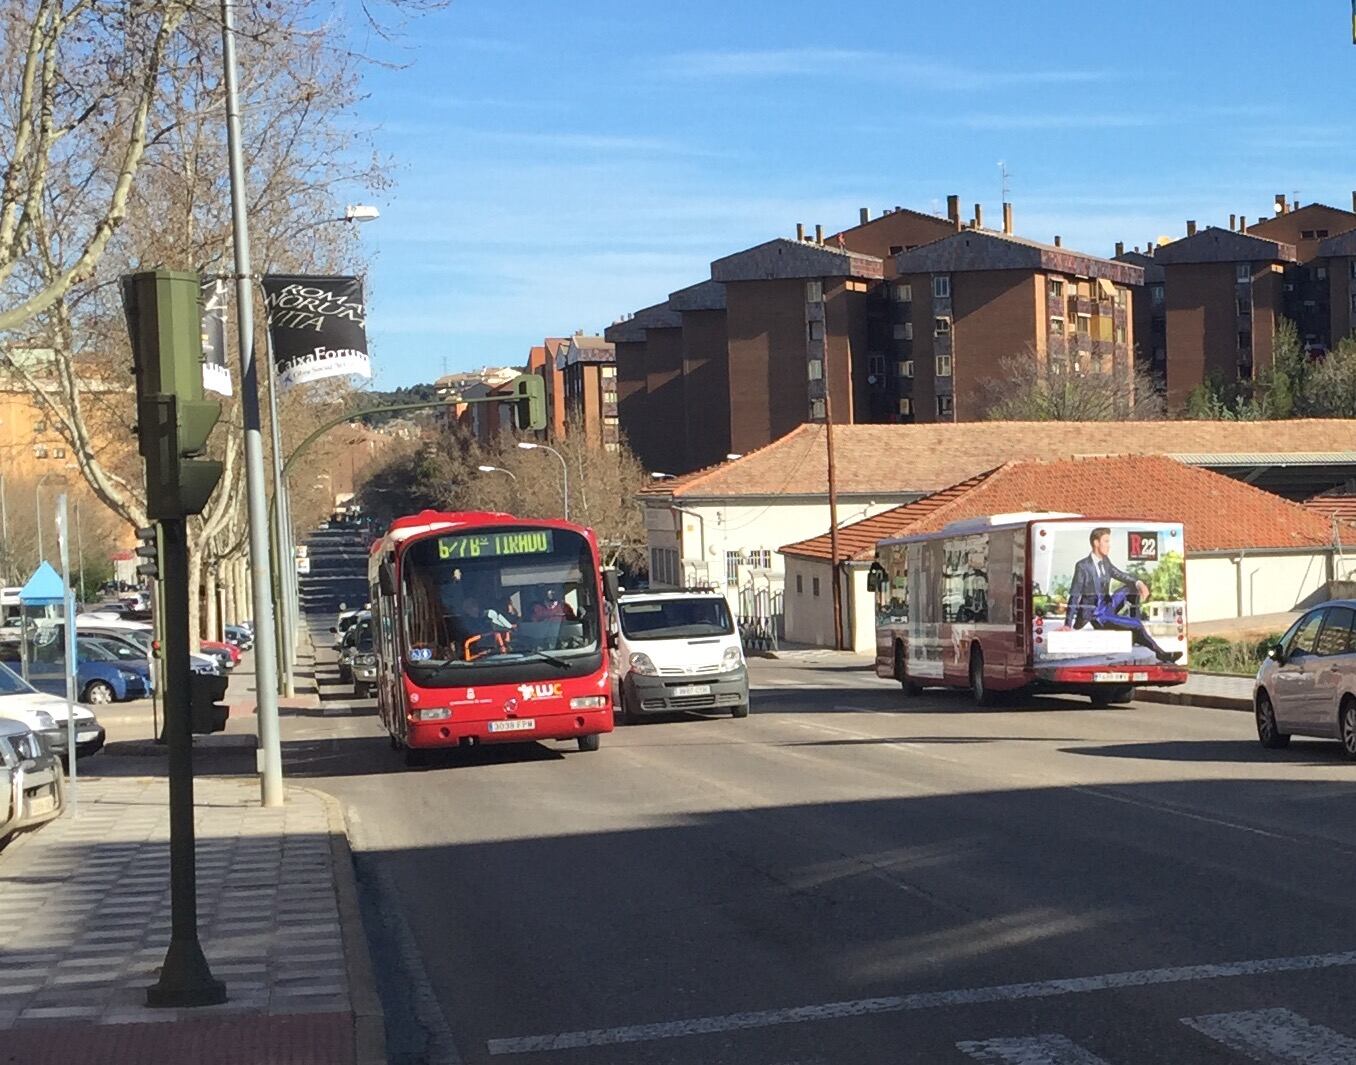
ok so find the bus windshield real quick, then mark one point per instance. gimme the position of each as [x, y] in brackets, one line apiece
[498, 596]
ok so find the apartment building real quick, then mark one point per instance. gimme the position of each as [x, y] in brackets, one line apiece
[588, 368]
[555, 387]
[1150, 318]
[964, 303]
[1224, 292]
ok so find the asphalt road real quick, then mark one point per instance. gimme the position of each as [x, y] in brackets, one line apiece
[847, 877]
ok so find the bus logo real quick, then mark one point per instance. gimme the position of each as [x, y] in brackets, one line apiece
[541, 691]
[1143, 547]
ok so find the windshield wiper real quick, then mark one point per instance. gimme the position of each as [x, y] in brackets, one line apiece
[559, 663]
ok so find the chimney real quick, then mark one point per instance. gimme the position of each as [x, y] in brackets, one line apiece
[1242, 223]
[819, 233]
[1149, 248]
[1120, 248]
[863, 216]
[1280, 203]
[979, 216]
[1353, 200]
[1007, 218]
[953, 210]
[1058, 243]
[1191, 227]
[800, 232]
[1233, 223]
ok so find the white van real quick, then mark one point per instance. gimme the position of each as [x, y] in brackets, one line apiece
[677, 651]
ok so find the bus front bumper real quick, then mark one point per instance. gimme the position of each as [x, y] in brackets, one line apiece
[452, 732]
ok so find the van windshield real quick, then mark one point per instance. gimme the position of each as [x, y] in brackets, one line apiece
[674, 619]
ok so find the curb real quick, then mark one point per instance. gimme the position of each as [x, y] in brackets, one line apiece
[1209, 702]
[369, 1020]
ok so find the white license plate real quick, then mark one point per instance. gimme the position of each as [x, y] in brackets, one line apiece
[42, 804]
[1140, 677]
[520, 724]
[81, 737]
[692, 689]
[1111, 678]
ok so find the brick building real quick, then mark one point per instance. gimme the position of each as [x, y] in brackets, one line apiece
[1150, 317]
[588, 369]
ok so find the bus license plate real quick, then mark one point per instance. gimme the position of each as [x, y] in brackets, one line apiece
[1111, 678]
[518, 724]
[692, 689]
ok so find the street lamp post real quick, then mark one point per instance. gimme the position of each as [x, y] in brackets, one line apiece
[528, 445]
[498, 469]
[37, 502]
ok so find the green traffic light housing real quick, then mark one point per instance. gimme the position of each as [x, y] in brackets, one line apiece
[529, 402]
[206, 693]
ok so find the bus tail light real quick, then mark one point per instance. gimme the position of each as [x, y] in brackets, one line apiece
[440, 713]
[589, 702]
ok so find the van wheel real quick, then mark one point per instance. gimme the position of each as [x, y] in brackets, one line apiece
[1269, 734]
[979, 691]
[902, 673]
[1347, 726]
[590, 742]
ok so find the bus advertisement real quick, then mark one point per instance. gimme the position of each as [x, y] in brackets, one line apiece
[488, 629]
[1034, 601]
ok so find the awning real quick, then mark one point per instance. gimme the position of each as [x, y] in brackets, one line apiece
[44, 588]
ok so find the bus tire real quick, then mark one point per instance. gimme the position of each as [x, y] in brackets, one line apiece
[590, 742]
[979, 690]
[902, 673]
[415, 757]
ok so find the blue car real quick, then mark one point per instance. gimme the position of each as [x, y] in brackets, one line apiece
[100, 676]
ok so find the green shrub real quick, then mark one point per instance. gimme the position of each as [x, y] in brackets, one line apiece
[1215, 654]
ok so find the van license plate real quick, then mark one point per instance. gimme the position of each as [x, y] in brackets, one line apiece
[42, 804]
[1111, 678]
[692, 689]
[518, 724]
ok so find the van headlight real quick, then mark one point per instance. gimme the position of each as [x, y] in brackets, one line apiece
[731, 660]
[640, 663]
[45, 720]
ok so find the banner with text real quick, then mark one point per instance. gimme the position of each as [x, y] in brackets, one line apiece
[317, 326]
[215, 375]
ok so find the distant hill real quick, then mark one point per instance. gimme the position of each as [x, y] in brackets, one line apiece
[408, 394]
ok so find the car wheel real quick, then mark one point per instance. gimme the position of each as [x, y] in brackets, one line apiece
[590, 742]
[98, 693]
[359, 690]
[742, 710]
[979, 691]
[1347, 726]
[902, 673]
[1269, 734]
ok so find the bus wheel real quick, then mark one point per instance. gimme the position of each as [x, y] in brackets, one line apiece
[590, 742]
[902, 673]
[415, 757]
[1113, 696]
[979, 691]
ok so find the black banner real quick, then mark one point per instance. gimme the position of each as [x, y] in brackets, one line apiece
[215, 375]
[317, 326]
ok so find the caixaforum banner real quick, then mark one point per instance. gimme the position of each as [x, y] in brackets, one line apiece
[317, 326]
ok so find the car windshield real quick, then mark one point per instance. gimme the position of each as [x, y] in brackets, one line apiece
[673, 619]
[116, 648]
[497, 596]
[364, 641]
[92, 651]
[13, 684]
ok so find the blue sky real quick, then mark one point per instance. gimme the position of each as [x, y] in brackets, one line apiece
[559, 164]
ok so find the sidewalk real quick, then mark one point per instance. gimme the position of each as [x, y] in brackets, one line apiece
[1214, 690]
[86, 919]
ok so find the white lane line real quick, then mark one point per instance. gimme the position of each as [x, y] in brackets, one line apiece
[1030, 1050]
[1276, 1037]
[733, 1022]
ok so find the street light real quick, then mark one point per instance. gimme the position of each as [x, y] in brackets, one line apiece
[528, 445]
[37, 498]
[733, 455]
[657, 476]
[361, 212]
[498, 469]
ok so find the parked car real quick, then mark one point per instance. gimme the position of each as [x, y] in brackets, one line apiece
[363, 666]
[358, 640]
[31, 782]
[218, 649]
[342, 624]
[47, 715]
[240, 636]
[100, 678]
[1307, 683]
[139, 635]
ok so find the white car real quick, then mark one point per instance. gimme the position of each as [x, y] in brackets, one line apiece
[48, 716]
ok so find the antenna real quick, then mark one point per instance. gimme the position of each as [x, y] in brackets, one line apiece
[1003, 172]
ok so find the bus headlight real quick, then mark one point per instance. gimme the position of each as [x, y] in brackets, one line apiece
[440, 713]
[640, 663]
[589, 702]
[732, 659]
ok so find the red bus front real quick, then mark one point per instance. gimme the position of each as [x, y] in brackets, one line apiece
[490, 630]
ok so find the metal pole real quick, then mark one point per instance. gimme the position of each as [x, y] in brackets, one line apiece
[281, 535]
[72, 663]
[37, 510]
[833, 507]
[80, 551]
[185, 977]
[4, 527]
[265, 649]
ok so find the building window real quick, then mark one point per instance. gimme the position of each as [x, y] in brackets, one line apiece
[906, 406]
[904, 293]
[1056, 327]
[1353, 269]
[1122, 295]
[856, 286]
[941, 327]
[814, 369]
[906, 365]
[1306, 234]
[1244, 305]
[943, 365]
[1321, 233]
[944, 407]
[903, 330]
[1244, 340]
[59, 453]
[817, 410]
[814, 583]
[39, 451]
[732, 563]
[1243, 272]
[875, 364]
[1156, 295]
[1084, 325]
[40, 426]
[1353, 303]
[1120, 334]
[1320, 273]
[941, 287]
[800, 584]
[895, 249]
[814, 292]
[1054, 288]
[816, 330]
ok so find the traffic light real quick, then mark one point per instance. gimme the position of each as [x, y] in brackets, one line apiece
[529, 402]
[164, 318]
[148, 549]
[205, 694]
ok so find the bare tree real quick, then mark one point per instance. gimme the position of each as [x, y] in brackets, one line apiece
[1038, 389]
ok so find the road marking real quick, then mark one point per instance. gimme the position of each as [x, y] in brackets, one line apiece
[1276, 1037]
[733, 1022]
[1030, 1050]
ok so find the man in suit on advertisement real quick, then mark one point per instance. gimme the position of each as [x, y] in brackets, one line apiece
[1091, 601]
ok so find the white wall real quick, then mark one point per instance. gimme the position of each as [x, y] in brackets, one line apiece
[1272, 584]
[809, 618]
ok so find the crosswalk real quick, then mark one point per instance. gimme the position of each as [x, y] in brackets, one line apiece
[1275, 1036]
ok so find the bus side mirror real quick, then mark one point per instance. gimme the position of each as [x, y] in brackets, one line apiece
[611, 585]
[384, 581]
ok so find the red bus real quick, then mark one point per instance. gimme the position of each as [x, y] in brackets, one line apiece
[1044, 602]
[488, 629]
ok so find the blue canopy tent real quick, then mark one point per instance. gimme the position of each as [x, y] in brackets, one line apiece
[44, 589]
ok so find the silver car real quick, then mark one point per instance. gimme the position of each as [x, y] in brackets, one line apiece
[1307, 684]
[31, 783]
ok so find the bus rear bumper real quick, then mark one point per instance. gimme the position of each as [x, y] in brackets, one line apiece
[1084, 678]
[450, 732]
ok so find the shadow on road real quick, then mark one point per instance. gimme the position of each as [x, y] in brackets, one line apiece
[1234, 751]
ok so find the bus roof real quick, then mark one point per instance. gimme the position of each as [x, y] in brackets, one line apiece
[989, 523]
[431, 521]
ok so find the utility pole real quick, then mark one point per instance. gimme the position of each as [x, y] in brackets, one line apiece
[833, 507]
[68, 627]
[265, 636]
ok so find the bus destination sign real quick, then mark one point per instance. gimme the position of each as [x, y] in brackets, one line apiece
[497, 545]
